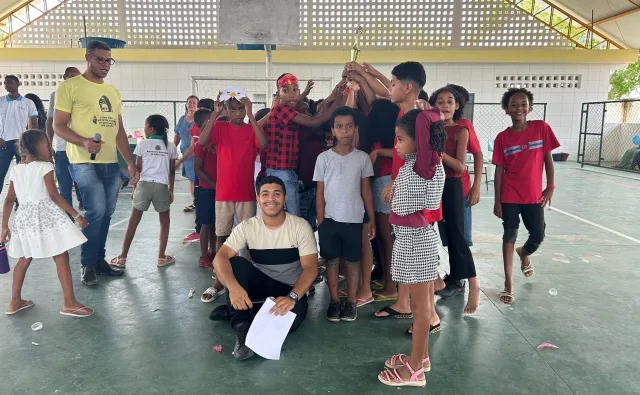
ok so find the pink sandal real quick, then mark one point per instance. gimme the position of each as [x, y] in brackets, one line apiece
[392, 378]
[397, 361]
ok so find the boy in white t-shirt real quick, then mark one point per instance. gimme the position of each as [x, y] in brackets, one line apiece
[156, 162]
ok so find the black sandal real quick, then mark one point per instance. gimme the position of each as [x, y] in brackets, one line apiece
[393, 314]
[432, 329]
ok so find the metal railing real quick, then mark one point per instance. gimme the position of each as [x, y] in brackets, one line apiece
[607, 131]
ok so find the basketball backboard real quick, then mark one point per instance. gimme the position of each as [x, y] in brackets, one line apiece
[259, 22]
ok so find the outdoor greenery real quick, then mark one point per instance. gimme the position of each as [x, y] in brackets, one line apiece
[625, 82]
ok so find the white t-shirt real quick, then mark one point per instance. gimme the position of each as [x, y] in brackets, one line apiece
[59, 143]
[155, 159]
[14, 116]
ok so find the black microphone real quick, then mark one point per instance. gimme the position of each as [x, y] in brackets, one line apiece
[96, 139]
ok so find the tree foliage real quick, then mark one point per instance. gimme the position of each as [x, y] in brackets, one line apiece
[625, 82]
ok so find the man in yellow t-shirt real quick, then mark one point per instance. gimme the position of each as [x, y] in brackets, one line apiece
[86, 106]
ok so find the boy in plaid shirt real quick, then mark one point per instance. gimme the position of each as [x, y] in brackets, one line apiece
[281, 129]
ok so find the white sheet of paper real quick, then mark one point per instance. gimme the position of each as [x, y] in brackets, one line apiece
[267, 332]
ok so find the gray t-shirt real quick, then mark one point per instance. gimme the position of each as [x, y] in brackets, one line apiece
[341, 175]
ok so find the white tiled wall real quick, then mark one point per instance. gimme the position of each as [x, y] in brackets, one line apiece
[172, 81]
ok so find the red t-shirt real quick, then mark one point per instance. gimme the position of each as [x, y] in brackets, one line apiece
[473, 147]
[236, 148]
[209, 164]
[521, 155]
[282, 135]
[432, 216]
[195, 134]
[385, 163]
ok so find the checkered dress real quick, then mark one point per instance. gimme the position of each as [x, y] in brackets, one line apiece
[282, 138]
[415, 250]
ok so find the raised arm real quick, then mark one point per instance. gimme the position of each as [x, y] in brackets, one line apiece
[205, 132]
[262, 139]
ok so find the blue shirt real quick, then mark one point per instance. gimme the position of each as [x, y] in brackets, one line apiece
[182, 128]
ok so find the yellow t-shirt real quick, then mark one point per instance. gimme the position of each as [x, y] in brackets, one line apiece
[94, 108]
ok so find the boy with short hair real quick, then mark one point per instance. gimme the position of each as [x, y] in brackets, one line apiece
[282, 128]
[520, 154]
[405, 89]
[237, 146]
[343, 194]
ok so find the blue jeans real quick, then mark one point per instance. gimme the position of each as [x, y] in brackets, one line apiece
[99, 185]
[6, 156]
[290, 179]
[65, 182]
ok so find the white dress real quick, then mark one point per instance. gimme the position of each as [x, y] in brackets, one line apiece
[40, 228]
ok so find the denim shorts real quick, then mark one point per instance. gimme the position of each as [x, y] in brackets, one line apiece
[467, 226]
[377, 185]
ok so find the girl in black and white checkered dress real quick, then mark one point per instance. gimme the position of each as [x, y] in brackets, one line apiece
[418, 187]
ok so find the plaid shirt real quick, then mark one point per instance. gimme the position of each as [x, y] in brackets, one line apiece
[282, 136]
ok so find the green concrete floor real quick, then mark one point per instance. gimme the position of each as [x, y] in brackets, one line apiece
[127, 348]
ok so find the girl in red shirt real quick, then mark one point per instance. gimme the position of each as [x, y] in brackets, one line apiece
[461, 265]
[520, 154]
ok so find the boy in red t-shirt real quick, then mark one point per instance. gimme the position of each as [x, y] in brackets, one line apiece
[520, 154]
[237, 146]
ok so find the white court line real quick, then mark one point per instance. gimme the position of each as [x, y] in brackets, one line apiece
[118, 223]
[586, 221]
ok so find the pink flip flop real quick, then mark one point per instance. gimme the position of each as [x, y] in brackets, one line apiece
[363, 302]
[26, 306]
[78, 313]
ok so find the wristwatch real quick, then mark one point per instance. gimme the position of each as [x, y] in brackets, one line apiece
[293, 296]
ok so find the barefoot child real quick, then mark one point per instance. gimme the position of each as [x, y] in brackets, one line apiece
[343, 194]
[414, 263]
[41, 229]
[520, 153]
[156, 163]
[451, 103]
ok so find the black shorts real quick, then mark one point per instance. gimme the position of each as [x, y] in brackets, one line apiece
[532, 217]
[205, 206]
[340, 240]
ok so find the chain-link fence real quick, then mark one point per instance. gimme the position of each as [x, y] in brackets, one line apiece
[607, 132]
[489, 119]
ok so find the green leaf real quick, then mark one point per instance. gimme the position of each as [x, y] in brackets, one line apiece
[625, 82]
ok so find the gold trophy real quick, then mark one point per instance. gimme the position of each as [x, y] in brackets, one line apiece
[355, 50]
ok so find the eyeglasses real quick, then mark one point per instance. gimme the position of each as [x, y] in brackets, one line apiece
[102, 60]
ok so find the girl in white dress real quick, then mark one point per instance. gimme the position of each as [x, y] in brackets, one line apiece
[41, 229]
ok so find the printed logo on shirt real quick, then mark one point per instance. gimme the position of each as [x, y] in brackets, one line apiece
[524, 147]
[108, 120]
[158, 148]
[105, 104]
